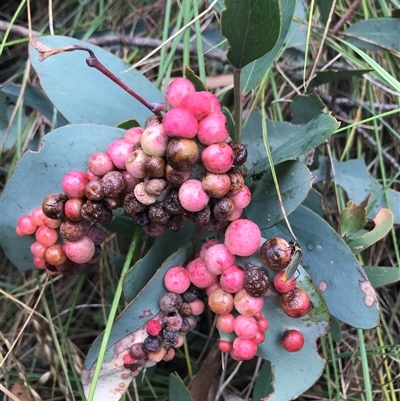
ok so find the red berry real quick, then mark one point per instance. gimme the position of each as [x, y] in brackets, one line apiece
[80, 251]
[242, 198]
[119, 151]
[197, 307]
[276, 253]
[39, 263]
[247, 305]
[296, 303]
[38, 250]
[243, 349]
[199, 275]
[226, 322]
[55, 255]
[245, 326]
[46, 236]
[217, 158]
[218, 259]
[99, 163]
[292, 340]
[232, 279]
[38, 216]
[133, 135]
[208, 244]
[225, 346]
[192, 196]
[154, 140]
[214, 102]
[283, 286]
[153, 327]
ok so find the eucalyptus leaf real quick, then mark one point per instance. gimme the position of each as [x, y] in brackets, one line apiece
[334, 269]
[83, 94]
[375, 34]
[177, 389]
[294, 181]
[305, 107]
[252, 28]
[253, 72]
[354, 178]
[380, 276]
[325, 77]
[39, 174]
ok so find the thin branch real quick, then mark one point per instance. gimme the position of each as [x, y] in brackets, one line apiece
[345, 17]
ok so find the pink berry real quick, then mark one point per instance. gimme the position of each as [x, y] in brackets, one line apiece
[177, 280]
[225, 346]
[220, 302]
[263, 324]
[39, 263]
[197, 307]
[26, 224]
[242, 198]
[19, 232]
[38, 249]
[245, 326]
[232, 279]
[91, 176]
[72, 209]
[153, 327]
[243, 349]
[212, 288]
[259, 337]
[214, 102]
[74, 184]
[197, 103]
[177, 90]
[154, 140]
[192, 196]
[242, 237]
[119, 151]
[226, 322]
[180, 123]
[52, 223]
[217, 158]
[38, 216]
[55, 255]
[130, 181]
[247, 305]
[212, 129]
[99, 163]
[80, 251]
[216, 185]
[136, 162]
[133, 135]
[237, 213]
[46, 236]
[208, 244]
[199, 275]
[282, 284]
[292, 340]
[218, 259]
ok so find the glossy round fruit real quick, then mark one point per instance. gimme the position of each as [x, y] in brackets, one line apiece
[276, 253]
[283, 286]
[292, 340]
[296, 303]
[177, 279]
[242, 237]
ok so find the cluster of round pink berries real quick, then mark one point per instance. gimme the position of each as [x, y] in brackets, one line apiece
[77, 255]
[182, 166]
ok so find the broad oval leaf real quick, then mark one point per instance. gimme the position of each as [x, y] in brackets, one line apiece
[84, 95]
[334, 269]
[294, 181]
[380, 276]
[287, 141]
[253, 72]
[354, 178]
[177, 389]
[39, 174]
[375, 34]
[127, 330]
[138, 275]
[252, 28]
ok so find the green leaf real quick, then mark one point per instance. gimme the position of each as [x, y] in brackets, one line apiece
[314, 202]
[34, 98]
[353, 217]
[291, 364]
[287, 141]
[326, 77]
[39, 174]
[263, 385]
[83, 94]
[375, 34]
[177, 389]
[252, 28]
[380, 276]
[194, 79]
[294, 181]
[128, 329]
[138, 276]
[305, 108]
[336, 332]
[383, 224]
[354, 178]
[127, 124]
[253, 72]
[334, 269]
